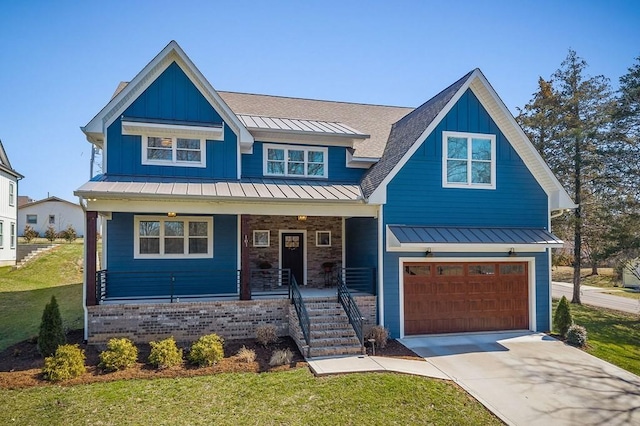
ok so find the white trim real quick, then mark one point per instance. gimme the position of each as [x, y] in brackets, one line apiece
[343, 236]
[531, 285]
[469, 160]
[239, 248]
[286, 149]
[105, 240]
[177, 130]
[304, 253]
[174, 153]
[381, 243]
[359, 162]
[162, 219]
[268, 244]
[318, 239]
[514, 134]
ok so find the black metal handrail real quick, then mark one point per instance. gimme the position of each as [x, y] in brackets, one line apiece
[353, 312]
[360, 279]
[301, 310]
[167, 285]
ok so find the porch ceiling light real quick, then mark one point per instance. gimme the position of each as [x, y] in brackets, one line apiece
[172, 214]
[302, 217]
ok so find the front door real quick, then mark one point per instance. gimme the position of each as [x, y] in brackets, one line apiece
[292, 254]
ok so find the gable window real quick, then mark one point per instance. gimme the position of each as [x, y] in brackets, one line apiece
[173, 151]
[295, 161]
[468, 160]
[32, 219]
[12, 199]
[162, 237]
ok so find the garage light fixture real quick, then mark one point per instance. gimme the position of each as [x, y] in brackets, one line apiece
[428, 253]
[512, 252]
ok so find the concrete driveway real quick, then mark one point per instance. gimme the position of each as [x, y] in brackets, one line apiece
[531, 379]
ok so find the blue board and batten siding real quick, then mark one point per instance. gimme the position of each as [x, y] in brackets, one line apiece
[124, 269]
[415, 196]
[172, 96]
[337, 170]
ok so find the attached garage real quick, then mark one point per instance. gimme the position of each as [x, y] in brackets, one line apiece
[454, 297]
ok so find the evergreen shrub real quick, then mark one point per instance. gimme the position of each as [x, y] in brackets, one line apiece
[67, 363]
[51, 331]
[165, 354]
[206, 351]
[119, 355]
[563, 319]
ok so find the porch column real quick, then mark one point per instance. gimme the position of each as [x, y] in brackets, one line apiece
[91, 246]
[245, 274]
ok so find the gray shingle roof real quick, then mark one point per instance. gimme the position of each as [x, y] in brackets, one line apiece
[373, 120]
[404, 134]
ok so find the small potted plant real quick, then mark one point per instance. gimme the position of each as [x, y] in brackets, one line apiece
[328, 266]
[264, 264]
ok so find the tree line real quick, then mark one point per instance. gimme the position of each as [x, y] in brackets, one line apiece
[589, 135]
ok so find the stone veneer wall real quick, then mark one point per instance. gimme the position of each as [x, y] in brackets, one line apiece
[316, 256]
[186, 322]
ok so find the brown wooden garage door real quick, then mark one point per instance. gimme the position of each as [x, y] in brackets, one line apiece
[460, 297]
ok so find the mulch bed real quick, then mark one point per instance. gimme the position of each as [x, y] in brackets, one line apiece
[21, 364]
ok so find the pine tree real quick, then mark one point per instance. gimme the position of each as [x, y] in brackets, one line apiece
[562, 319]
[51, 332]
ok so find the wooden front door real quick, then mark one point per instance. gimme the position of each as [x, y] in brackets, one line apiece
[292, 254]
[463, 297]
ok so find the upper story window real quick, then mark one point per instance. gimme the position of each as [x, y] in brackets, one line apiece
[12, 195]
[468, 160]
[173, 151]
[32, 219]
[176, 237]
[1, 234]
[295, 161]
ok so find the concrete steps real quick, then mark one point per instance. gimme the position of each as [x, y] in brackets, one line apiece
[32, 255]
[331, 332]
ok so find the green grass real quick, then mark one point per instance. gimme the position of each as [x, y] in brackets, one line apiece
[293, 397]
[25, 292]
[606, 276]
[613, 336]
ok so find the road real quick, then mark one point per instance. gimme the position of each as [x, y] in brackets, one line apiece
[595, 296]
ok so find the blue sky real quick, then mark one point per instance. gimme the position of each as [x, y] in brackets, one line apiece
[61, 61]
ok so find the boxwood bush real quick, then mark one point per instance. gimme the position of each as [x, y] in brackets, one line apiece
[67, 363]
[207, 351]
[165, 353]
[120, 355]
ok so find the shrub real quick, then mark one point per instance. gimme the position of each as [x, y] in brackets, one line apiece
[165, 354]
[379, 334]
[246, 355]
[577, 336]
[67, 363]
[562, 319]
[266, 334]
[120, 354]
[29, 234]
[51, 332]
[50, 234]
[69, 234]
[207, 350]
[281, 357]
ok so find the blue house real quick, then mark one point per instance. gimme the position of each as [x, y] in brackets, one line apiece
[225, 211]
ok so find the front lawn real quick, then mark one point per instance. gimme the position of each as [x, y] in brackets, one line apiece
[612, 335]
[606, 276]
[293, 397]
[25, 292]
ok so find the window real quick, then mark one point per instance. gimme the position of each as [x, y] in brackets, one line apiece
[323, 238]
[32, 219]
[261, 238]
[281, 160]
[1, 234]
[468, 160]
[52, 219]
[420, 270]
[173, 151]
[512, 269]
[163, 237]
[12, 195]
[12, 236]
[449, 270]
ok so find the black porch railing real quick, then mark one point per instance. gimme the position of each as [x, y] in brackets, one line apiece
[353, 312]
[270, 281]
[359, 279]
[301, 310]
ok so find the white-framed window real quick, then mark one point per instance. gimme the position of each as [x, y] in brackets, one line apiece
[1, 234]
[12, 194]
[32, 219]
[173, 151]
[295, 161]
[261, 238]
[12, 236]
[468, 160]
[160, 237]
[52, 219]
[323, 238]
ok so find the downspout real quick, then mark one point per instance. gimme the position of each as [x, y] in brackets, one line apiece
[84, 276]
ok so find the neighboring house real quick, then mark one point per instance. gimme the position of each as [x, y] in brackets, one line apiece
[629, 278]
[437, 218]
[8, 209]
[51, 211]
[24, 199]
